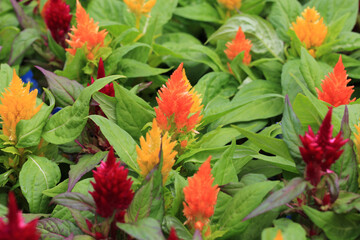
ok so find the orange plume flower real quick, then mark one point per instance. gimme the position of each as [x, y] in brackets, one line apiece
[200, 197]
[87, 32]
[17, 103]
[237, 45]
[148, 154]
[357, 140]
[310, 29]
[139, 8]
[279, 235]
[179, 105]
[230, 4]
[334, 87]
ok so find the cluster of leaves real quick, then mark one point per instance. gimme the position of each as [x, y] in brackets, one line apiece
[253, 111]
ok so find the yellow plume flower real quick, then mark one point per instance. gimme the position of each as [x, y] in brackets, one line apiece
[17, 103]
[357, 141]
[230, 4]
[140, 7]
[310, 29]
[148, 154]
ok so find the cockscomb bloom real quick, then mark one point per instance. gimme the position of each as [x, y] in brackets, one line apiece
[237, 45]
[86, 32]
[16, 228]
[112, 188]
[279, 235]
[230, 4]
[179, 105]
[200, 197]
[17, 103]
[320, 151]
[139, 8]
[56, 14]
[148, 154]
[109, 88]
[310, 29]
[334, 88]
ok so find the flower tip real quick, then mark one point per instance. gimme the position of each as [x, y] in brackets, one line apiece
[101, 70]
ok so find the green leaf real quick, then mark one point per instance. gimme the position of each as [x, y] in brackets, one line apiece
[37, 175]
[84, 165]
[335, 226]
[60, 188]
[289, 230]
[7, 36]
[6, 74]
[224, 171]
[310, 71]
[122, 142]
[181, 231]
[265, 41]
[179, 184]
[346, 202]
[347, 41]
[57, 229]
[278, 161]
[22, 43]
[144, 229]
[4, 177]
[107, 105]
[133, 69]
[76, 201]
[232, 188]
[283, 196]
[58, 50]
[69, 122]
[132, 112]
[199, 12]
[141, 204]
[245, 200]
[74, 65]
[252, 6]
[66, 91]
[28, 132]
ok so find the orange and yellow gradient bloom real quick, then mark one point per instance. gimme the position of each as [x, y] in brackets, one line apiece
[200, 198]
[139, 8]
[310, 29]
[334, 87]
[279, 235]
[148, 152]
[230, 4]
[17, 103]
[86, 32]
[237, 45]
[179, 105]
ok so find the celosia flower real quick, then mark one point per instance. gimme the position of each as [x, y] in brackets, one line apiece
[334, 87]
[200, 197]
[56, 14]
[16, 228]
[237, 45]
[173, 235]
[109, 88]
[17, 103]
[148, 155]
[139, 8]
[230, 4]
[278, 235]
[179, 109]
[310, 29]
[112, 188]
[320, 151]
[87, 32]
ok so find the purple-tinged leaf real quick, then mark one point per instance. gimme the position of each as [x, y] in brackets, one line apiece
[295, 187]
[85, 164]
[24, 20]
[54, 228]
[65, 91]
[80, 220]
[75, 200]
[147, 228]
[332, 182]
[197, 235]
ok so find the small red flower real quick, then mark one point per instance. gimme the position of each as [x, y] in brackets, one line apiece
[112, 188]
[16, 228]
[56, 14]
[334, 88]
[237, 45]
[109, 88]
[173, 235]
[320, 151]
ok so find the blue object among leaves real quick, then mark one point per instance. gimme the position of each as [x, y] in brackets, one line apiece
[28, 78]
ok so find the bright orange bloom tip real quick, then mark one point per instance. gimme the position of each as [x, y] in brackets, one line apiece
[17, 103]
[230, 4]
[86, 32]
[148, 154]
[200, 197]
[310, 29]
[179, 104]
[237, 45]
[279, 235]
[334, 88]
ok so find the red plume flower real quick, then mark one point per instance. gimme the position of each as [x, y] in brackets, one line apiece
[200, 197]
[109, 88]
[112, 188]
[334, 89]
[16, 228]
[237, 45]
[56, 14]
[320, 151]
[173, 235]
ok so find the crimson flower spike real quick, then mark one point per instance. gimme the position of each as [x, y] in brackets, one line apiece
[16, 228]
[112, 188]
[320, 151]
[108, 89]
